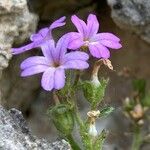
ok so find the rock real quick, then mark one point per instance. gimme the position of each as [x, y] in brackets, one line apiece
[16, 25]
[132, 15]
[15, 134]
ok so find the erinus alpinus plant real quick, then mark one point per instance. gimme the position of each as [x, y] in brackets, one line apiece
[62, 64]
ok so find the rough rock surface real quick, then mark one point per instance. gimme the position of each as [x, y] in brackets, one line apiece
[15, 134]
[132, 15]
[16, 25]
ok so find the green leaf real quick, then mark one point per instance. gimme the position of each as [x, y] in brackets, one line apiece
[106, 111]
[98, 144]
[139, 85]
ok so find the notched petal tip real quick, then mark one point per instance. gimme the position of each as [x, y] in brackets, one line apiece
[74, 17]
[92, 16]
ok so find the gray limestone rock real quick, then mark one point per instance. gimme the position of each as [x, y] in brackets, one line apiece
[15, 134]
[133, 15]
[16, 24]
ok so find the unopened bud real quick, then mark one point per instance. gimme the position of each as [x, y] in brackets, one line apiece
[127, 104]
[92, 130]
[141, 122]
[127, 101]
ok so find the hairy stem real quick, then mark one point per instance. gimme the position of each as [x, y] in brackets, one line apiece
[77, 78]
[73, 144]
[55, 98]
[137, 140]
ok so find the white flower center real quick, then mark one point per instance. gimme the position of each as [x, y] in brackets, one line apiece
[86, 43]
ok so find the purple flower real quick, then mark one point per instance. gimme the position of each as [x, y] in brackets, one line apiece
[88, 36]
[41, 38]
[54, 63]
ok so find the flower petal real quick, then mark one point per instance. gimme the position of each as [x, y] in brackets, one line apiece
[92, 25]
[75, 40]
[99, 51]
[43, 32]
[61, 48]
[48, 49]
[111, 44]
[76, 56]
[80, 25]
[33, 61]
[40, 35]
[106, 36]
[58, 23]
[36, 37]
[76, 64]
[25, 48]
[34, 70]
[47, 81]
[59, 78]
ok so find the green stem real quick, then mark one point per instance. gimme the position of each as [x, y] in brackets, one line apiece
[77, 78]
[137, 140]
[73, 144]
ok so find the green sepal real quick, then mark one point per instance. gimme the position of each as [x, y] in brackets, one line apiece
[62, 118]
[94, 93]
[98, 144]
[106, 111]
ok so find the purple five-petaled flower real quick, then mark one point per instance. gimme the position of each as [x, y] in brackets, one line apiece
[88, 36]
[41, 38]
[54, 63]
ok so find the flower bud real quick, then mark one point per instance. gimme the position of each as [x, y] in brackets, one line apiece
[62, 118]
[92, 130]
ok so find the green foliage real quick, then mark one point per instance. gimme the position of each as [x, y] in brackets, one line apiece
[94, 93]
[62, 118]
[100, 140]
[146, 100]
[106, 111]
[139, 85]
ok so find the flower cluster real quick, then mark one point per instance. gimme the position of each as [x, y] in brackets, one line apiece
[56, 59]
